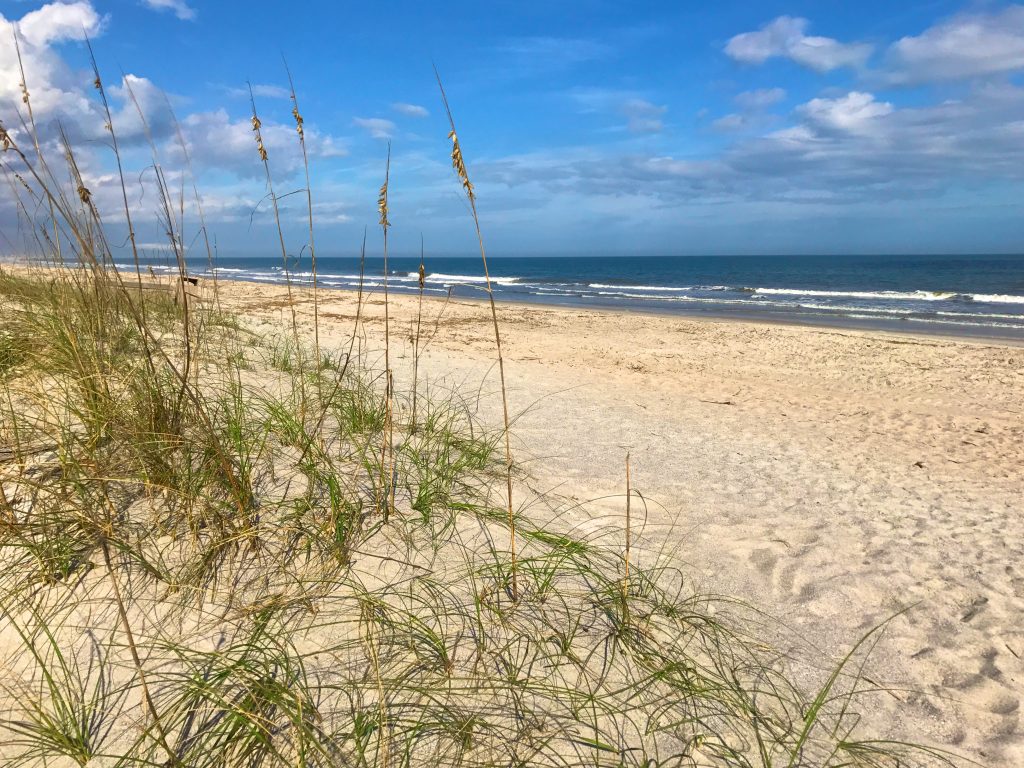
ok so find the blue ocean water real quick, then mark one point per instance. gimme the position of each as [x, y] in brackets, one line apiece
[975, 295]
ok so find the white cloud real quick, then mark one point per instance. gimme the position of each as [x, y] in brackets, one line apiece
[760, 99]
[152, 102]
[180, 8]
[969, 45]
[56, 22]
[55, 89]
[218, 141]
[221, 146]
[410, 110]
[856, 112]
[377, 127]
[785, 38]
[851, 149]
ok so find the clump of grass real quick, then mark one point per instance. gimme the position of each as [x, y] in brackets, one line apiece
[194, 569]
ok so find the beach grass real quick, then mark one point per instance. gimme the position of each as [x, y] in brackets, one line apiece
[214, 553]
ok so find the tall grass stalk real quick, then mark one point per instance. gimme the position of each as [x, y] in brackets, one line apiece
[340, 380]
[629, 532]
[177, 243]
[211, 261]
[109, 126]
[264, 159]
[459, 164]
[140, 671]
[416, 337]
[301, 131]
[40, 157]
[387, 456]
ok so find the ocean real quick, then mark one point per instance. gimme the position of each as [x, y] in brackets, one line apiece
[962, 295]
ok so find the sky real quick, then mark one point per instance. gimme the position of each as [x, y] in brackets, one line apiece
[588, 127]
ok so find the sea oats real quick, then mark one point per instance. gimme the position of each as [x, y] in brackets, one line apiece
[382, 205]
[259, 138]
[301, 131]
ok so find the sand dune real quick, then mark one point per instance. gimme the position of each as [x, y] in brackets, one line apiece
[833, 478]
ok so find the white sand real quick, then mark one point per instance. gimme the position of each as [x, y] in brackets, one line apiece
[832, 478]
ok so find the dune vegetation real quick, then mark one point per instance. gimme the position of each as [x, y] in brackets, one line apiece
[220, 547]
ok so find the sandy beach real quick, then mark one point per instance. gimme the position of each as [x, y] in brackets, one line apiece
[832, 478]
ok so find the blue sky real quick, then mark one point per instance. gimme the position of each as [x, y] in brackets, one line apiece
[589, 127]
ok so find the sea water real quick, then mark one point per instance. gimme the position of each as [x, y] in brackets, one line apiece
[969, 295]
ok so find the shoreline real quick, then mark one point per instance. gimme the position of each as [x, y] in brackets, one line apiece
[909, 328]
[752, 319]
[921, 331]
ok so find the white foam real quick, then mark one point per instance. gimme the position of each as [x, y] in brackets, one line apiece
[642, 287]
[437, 277]
[997, 298]
[896, 295]
[847, 308]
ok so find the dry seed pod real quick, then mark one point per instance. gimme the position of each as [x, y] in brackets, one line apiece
[382, 205]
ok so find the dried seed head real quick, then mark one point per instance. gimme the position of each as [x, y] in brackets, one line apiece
[460, 165]
[259, 138]
[382, 205]
[84, 194]
[423, 276]
[298, 121]
[97, 84]
[5, 138]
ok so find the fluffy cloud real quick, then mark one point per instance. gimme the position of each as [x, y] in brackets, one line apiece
[217, 141]
[856, 112]
[221, 146]
[857, 147]
[54, 87]
[965, 46]
[57, 22]
[179, 8]
[848, 149]
[410, 110]
[786, 37]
